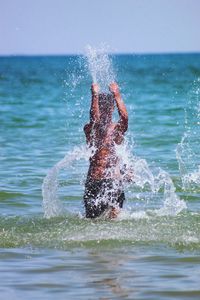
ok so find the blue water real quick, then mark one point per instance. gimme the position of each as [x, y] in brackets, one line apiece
[152, 250]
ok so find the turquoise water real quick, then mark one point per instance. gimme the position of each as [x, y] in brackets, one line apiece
[152, 251]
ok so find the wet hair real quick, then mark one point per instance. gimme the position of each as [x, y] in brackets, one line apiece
[106, 102]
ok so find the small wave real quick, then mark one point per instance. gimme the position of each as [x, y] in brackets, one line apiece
[71, 231]
[7, 195]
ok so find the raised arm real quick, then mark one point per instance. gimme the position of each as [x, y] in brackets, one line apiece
[123, 114]
[94, 110]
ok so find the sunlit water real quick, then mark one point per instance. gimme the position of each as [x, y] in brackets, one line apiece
[48, 248]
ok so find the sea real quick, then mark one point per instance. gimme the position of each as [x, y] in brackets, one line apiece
[48, 249]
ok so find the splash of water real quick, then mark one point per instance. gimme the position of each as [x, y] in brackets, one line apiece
[100, 66]
[143, 178]
[172, 204]
[137, 172]
[156, 180]
[51, 204]
[187, 151]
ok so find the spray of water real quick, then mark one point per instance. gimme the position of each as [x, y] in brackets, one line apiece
[51, 204]
[100, 66]
[187, 151]
[155, 180]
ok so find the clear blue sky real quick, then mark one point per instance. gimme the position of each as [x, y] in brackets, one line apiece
[67, 26]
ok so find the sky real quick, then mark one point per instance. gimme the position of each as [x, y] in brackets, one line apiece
[33, 27]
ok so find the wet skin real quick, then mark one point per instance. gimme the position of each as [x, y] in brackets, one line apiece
[103, 134]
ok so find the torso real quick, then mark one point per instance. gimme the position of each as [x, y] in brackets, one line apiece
[104, 161]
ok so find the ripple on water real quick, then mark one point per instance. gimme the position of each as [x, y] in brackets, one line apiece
[181, 231]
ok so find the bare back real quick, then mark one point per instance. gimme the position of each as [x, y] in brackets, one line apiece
[103, 134]
[104, 161]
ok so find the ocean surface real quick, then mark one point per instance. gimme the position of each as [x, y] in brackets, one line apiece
[47, 248]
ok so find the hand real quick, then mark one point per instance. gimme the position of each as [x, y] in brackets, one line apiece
[114, 89]
[94, 88]
[113, 213]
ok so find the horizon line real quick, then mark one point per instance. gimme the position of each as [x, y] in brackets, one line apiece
[109, 53]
